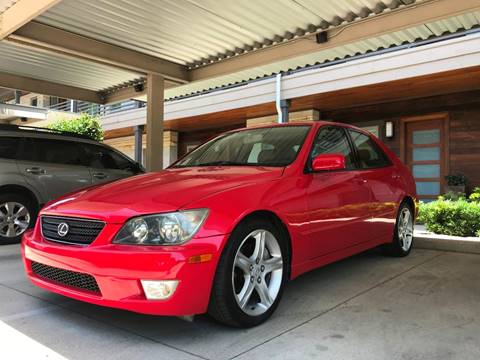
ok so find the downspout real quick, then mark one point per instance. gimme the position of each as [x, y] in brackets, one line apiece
[278, 100]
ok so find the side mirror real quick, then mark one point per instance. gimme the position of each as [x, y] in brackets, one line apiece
[328, 162]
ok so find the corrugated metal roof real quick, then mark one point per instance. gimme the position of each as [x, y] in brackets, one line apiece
[409, 35]
[49, 66]
[193, 32]
[5, 4]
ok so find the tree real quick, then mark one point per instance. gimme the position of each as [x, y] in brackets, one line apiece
[83, 125]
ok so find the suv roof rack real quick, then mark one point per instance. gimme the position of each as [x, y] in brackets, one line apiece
[22, 128]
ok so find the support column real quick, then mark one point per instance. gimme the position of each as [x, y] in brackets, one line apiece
[154, 153]
[138, 147]
[18, 95]
[170, 147]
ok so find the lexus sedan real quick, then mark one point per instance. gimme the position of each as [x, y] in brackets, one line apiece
[225, 227]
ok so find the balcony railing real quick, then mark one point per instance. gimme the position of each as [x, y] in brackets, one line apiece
[96, 109]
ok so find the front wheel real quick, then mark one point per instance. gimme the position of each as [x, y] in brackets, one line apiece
[403, 235]
[250, 276]
[17, 214]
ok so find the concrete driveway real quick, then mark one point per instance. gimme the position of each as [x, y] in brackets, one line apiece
[425, 306]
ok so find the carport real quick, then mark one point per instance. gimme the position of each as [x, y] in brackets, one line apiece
[105, 52]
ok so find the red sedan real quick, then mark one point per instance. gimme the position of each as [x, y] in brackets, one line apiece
[225, 227]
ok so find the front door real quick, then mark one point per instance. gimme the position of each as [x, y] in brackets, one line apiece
[425, 155]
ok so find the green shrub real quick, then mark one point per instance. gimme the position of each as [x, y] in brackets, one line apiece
[83, 125]
[475, 195]
[457, 218]
[454, 195]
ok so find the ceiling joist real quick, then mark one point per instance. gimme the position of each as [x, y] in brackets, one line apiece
[21, 13]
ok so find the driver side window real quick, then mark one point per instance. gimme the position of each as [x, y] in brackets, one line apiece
[333, 140]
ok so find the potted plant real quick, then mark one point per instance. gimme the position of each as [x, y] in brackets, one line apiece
[456, 183]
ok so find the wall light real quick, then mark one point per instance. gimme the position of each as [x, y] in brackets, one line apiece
[389, 129]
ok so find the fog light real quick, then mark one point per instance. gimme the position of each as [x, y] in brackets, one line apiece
[159, 289]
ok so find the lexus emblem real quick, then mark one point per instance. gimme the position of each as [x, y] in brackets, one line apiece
[62, 229]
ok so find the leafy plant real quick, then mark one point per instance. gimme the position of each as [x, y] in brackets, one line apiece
[453, 195]
[83, 125]
[456, 218]
[456, 179]
[475, 195]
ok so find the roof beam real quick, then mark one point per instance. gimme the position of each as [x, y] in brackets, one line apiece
[387, 22]
[48, 88]
[50, 38]
[21, 13]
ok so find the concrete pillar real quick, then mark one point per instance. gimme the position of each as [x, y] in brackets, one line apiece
[304, 115]
[138, 143]
[154, 153]
[170, 147]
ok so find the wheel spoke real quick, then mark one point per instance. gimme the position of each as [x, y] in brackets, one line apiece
[22, 211]
[275, 263]
[11, 230]
[265, 298]
[246, 293]
[21, 224]
[259, 250]
[9, 207]
[243, 263]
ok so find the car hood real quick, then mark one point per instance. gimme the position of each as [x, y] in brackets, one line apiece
[156, 192]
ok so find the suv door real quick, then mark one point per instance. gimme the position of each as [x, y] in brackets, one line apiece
[337, 200]
[383, 181]
[106, 164]
[53, 166]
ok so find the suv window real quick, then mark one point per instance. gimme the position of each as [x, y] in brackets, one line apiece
[54, 151]
[103, 158]
[333, 140]
[8, 147]
[369, 154]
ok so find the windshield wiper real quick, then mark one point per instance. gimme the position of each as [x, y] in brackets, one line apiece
[221, 163]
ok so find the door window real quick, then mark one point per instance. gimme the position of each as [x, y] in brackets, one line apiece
[103, 158]
[369, 153]
[333, 140]
[54, 151]
[8, 147]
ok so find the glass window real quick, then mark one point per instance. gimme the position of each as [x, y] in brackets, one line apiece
[426, 154]
[57, 151]
[428, 187]
[369, 154]
[8, 147]
[426, 171]
[333, 140]
[426, 137]
[104, 158]
[274, 146]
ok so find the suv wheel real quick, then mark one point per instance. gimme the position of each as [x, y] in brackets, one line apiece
[17, 214]
[251, 275]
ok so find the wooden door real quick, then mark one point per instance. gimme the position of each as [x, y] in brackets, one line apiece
[425, 156]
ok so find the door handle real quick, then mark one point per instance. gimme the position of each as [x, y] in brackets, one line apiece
[99, 175]
[35, 171]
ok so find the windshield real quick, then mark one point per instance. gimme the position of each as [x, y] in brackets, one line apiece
[275, 146]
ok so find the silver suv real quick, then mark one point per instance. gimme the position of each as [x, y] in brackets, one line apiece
[38, 165]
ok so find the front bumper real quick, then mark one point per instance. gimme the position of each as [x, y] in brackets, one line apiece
[118, 270]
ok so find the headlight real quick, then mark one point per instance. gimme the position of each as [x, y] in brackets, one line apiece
[162, 229]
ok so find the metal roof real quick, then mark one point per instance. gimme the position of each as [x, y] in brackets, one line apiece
[195, 32]
[59, 68]
[410, 35]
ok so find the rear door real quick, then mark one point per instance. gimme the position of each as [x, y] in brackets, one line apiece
[53, 166]
[107, 165]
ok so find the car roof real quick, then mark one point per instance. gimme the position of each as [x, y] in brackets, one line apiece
[44, 133]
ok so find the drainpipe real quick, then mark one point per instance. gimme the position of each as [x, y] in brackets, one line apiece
[138, 143]
[18, 94]
[281, 105]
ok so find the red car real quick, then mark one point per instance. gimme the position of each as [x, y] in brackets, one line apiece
[225, 227]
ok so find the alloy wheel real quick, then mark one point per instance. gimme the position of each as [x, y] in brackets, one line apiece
[405, 229]
[257, 272]
[14, 219]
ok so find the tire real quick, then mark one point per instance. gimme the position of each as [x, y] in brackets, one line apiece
[20, 210]
[240, 272]
[402, 242]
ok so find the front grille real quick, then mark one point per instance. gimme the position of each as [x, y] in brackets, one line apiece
[80, 231]
[66, 277]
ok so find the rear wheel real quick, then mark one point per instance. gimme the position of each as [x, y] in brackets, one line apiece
[403, 235]
[250, 276]
[17, 214]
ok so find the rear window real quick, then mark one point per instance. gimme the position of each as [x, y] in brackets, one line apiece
[57, 151]
[8, 147]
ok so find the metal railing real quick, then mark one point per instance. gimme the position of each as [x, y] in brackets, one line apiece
[96, 109]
